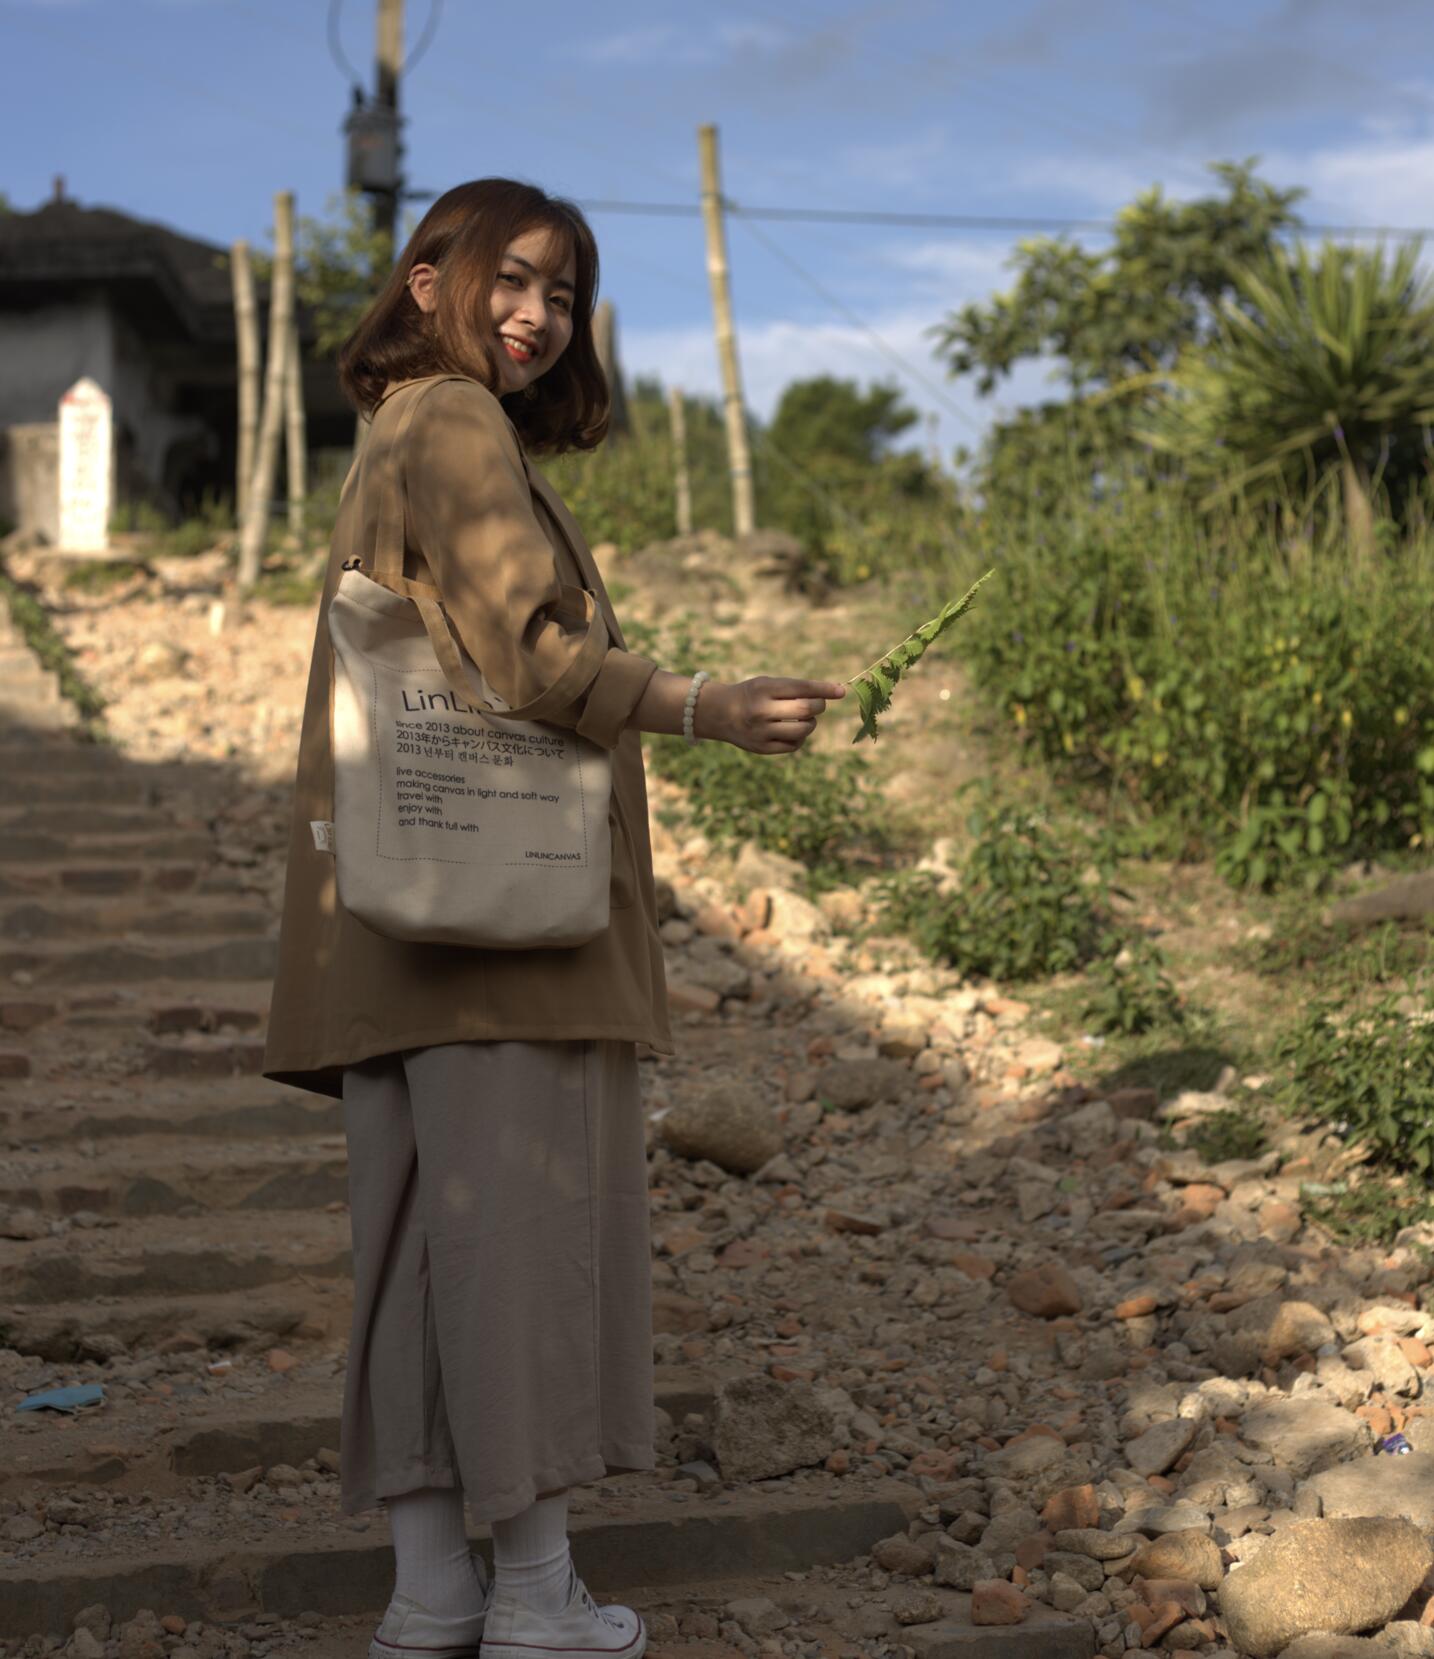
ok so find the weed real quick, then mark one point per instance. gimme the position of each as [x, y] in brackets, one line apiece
[1229, 1133]
[101, 575]
[1371, 1212]
[31, 618]
[1130, 990]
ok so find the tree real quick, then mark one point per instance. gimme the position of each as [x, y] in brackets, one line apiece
[1320, 365]
[834, 419]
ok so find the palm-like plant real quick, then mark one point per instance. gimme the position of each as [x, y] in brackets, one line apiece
[1320, 364]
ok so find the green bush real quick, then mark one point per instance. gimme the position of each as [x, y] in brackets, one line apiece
[1370, 1073]
[1241, 692]
[1130, 991]
[1023, 909]
[806, 806]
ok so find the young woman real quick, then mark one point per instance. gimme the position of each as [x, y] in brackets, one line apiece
[501, 1347]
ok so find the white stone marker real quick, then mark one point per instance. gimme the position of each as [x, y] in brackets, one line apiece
[86, 450]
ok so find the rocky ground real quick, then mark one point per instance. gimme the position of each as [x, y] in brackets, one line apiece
[1084, 1392]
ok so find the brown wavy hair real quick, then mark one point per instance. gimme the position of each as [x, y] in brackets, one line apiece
[464, 235]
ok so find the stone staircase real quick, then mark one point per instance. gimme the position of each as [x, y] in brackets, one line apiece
[175, 1229]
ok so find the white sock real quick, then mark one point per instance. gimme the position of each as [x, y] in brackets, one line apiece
[430, 1547]
[531, 1557]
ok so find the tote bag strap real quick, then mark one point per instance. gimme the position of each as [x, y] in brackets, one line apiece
[388, 573]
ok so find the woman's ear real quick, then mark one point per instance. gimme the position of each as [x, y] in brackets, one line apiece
[421, 283]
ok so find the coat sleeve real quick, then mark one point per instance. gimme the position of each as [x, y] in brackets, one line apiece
[471, 517]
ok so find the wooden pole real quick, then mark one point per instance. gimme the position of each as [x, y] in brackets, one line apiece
[679, 461]
[739, 458]
[605, 344]
[266, 459]
[246, 339]
[389, 64]
[296, 455]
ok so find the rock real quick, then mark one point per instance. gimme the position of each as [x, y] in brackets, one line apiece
[1283, 1329]
[915, 1606]
[84, 1644]
[994, 1601]
[1382, 1356]
[960, 1565]
[1305, 1435]
[95, 1618]
[1406, 1637]
[1157, 1518]
[675, 1314]
[141, 1637]
[1028, 1457]
[243, 1479]
[762, 1428]
[1089, 1574]
[1153, 1452]
[729, 1124]
[757, 1615]
[1072, 1506]
[1388, 1486]
[794, 918]
[1098, 1545]
[850, 1084]
[1328, 1575]
[20, 1529]
[284, 1474]
[1191, 1555]
[1048, 1292]
[909, 1557]
[1323, 1645]
[756, 867]
[158, 659]
[708, 967]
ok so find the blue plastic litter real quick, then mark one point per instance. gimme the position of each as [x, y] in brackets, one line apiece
[63, 1399]
[1395, 1445]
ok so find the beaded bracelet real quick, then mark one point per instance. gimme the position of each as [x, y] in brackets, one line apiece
[689, 708]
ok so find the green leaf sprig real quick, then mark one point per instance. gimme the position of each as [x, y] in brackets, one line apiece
[874, 685]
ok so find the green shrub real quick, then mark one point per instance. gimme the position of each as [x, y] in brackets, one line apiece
[806, 806]
[1130, 991]
[1370, 1073]
[1234, 685]
[1371, 1212]
[1228, 1133]
[100, 575]
[38, 632]
[1023, 909]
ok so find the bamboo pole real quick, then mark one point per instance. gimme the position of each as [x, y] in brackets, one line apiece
[296, 454]
[266, 459]
[246, 339]
[739, 458]
[679, 461]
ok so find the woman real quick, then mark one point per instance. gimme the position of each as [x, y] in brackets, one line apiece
[501, 1348]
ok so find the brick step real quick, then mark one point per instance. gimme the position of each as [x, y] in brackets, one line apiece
[202, 1055]
[133, 785]
[88, 1017]
[298, 1568]
[163, 1175]
[238, 1321]
[294, 1418]
[27, 753]
[228, 1109]
[61, 962]
[100, 817]
[155, 846]
[97, 916]
[89, 875]
[176, 1255]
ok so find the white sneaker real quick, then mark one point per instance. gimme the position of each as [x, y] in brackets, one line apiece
[408, 1628]
[515, 1631]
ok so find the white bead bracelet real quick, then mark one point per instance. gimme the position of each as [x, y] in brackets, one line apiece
[689, 708]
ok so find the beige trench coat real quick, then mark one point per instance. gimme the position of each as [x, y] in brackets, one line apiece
[485, 527]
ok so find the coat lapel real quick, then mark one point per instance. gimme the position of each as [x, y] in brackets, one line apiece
[577, 545]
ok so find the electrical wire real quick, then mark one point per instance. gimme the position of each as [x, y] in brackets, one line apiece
[336, 46]
[425, 39]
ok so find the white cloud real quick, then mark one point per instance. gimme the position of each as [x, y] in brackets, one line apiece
[778, 351]
[919, 160]
[1106, 183]
[1381, 179]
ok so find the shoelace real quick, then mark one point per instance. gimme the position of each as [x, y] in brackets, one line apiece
[592, 1606]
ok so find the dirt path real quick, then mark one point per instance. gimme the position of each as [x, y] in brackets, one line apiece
[937, 1309]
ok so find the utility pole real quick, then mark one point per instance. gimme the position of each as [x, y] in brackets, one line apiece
[679, 461]
[605, 343]
[271, 426]
[246, 337]
[739, 457]
[390, 61]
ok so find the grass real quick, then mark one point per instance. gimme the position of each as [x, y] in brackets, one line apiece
[38, 632]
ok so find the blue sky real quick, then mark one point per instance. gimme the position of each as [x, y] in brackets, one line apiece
[194, 112]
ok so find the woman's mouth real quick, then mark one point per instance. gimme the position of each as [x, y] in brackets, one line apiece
[519, 353]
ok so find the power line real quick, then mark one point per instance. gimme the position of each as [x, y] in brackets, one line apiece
[866, 329]
[960, 221]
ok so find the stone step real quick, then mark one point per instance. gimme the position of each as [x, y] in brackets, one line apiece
[45, 715]
[89, 875]
[28, 687]
[238, 1320]
[61, 962]
[154, 846]
[16, 658]
[163, 1175]
[176, 1255]
[236, 1109]
[296, 1569]
[296, 1417]
[99, 817]
[133, 786]
[27, 753]
[202, 1055]
[63, 916]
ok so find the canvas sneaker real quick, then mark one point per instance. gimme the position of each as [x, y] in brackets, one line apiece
[515, 1631]
[409, 1631]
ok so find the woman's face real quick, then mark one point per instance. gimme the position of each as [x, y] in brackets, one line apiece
[531, 309]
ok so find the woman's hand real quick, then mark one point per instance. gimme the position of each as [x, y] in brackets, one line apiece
[766, 715]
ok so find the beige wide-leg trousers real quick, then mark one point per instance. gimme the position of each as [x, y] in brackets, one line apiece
[502, 1324]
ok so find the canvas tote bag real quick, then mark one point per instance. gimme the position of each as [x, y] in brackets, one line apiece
[458, 819]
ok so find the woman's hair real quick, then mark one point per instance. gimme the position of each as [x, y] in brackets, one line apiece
[464, 235]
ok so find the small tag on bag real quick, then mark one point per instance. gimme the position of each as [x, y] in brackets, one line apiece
[322, 830]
